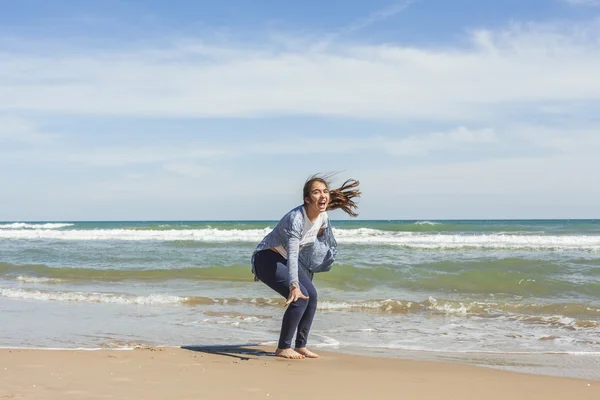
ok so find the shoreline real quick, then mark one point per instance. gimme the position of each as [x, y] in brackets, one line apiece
[152, 372]
[537, 364]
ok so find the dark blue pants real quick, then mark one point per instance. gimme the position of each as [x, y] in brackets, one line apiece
[271, 268]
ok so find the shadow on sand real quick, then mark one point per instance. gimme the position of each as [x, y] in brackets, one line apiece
[240, 351]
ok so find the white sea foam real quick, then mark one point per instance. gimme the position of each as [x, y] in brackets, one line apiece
[22, 225]
[384, 305]
[200, 235]
[324, 341]
[351, 236]
[33, 279]
[448, 308]
[427, 223]
[474, 351]
[90, 297]
[453, 241]
[390, 305]
[559, 321]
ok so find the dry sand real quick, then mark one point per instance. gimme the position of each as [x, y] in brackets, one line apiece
[246, 372]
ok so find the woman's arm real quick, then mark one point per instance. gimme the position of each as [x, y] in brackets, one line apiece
[294, 235]
[293, 249]
[293, 226]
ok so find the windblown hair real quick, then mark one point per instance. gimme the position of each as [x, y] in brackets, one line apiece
[341, 197]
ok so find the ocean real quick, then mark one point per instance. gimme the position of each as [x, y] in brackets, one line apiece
[519, 295]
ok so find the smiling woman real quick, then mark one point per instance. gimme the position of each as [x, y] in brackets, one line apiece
[302, 244]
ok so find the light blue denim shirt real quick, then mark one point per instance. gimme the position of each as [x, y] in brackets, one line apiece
[313, 257]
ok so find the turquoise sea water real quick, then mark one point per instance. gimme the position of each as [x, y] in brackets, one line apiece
[521, 295]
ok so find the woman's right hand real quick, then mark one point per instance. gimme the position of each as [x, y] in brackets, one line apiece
[295, 294]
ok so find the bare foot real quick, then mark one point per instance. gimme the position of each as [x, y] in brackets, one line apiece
[307, 353]
[288, 353]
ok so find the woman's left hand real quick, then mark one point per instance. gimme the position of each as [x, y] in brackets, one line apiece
[295, 294]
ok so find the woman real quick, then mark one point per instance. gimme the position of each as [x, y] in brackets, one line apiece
[301, 244]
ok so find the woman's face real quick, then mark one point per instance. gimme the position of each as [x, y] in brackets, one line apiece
[319, 197]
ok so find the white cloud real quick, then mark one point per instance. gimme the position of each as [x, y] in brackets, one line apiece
[192, 170]
[415, 144]
[106, 156]
[458, 138]
[371, 19]
[183, 157]
[523, 171]
[515, 184]
[379, 16]
[576, 142]
[525, 65]
[134, 176]
[490, 155]
[192, 158]
[584, 2]
[557, 182]
[22, 130]
[121, 156]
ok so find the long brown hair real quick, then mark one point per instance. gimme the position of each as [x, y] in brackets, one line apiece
[341, 197]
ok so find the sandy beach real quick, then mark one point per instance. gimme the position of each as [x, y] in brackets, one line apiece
[254, 373]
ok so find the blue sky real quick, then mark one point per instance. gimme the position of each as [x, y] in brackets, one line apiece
[158, 110]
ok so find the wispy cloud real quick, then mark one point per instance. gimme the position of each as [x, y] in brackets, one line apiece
[526, 66]
[329, 39]
[110, 156]
[575, 142]
[493, 172]
[539, 172]
[23, 130]
[506, 117]
[405, 144]
[192, 158]
[121, 156]
[584, 2]
[458, 138]
[377, 16]
[190, 169]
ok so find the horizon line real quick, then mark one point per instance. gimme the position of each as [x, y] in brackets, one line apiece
[332, 219]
